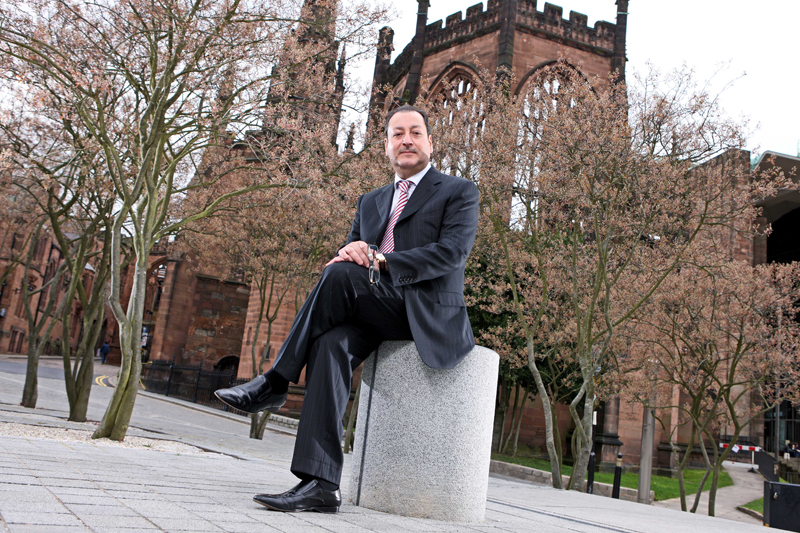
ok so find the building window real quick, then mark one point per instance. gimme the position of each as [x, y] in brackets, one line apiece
[40, 248]
[20, 309]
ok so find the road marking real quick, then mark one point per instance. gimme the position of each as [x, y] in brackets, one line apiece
[102, 381]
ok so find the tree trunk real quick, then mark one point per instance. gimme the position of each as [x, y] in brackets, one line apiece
[504, 446]
[82, 374]
[118, 413]
[30, 392]
[519, 423]
[719, 458]
[583, 448]
[552, 453]
[258, 423]
[557, 435]
[79, 376]
[699, 492]
[36, 322]
[505, 399]
[351, 421]
[83, 388]
[709, 468]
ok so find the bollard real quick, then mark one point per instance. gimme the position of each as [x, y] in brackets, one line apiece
[590, 478]
[617, 477]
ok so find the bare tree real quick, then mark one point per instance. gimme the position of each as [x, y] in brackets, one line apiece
[588, 193]
[162, 88]
[60, 173]
[720, 337]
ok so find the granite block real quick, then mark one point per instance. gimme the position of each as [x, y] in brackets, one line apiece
[423, 440]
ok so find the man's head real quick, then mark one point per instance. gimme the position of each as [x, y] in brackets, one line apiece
[408, 141]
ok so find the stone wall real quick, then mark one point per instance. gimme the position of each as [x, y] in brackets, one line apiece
[218, 318]
[280, 329]
[540, 477]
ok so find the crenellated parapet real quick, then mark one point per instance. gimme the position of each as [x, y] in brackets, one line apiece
[456, 29]
[477, 22]
[508, 17]
[550, 21]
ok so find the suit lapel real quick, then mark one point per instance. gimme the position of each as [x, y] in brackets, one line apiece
[426, 188]
[383, 203]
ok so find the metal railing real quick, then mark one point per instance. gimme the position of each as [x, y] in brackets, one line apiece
[190, 383]
[767, 465]
[790, 470]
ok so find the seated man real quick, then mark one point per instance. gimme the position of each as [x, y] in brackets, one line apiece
[425, 223]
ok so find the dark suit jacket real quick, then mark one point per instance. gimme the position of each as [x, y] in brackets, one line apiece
[433, 238]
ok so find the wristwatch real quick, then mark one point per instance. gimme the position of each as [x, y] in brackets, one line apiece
[381, 260]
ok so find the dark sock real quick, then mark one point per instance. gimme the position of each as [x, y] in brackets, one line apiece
[277, 383]
[327, 485]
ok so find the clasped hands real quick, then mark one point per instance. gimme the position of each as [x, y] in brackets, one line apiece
[356, 252]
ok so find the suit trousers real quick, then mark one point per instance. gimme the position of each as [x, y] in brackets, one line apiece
[343, 320]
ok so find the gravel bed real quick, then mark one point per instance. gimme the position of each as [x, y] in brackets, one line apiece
[27, 431]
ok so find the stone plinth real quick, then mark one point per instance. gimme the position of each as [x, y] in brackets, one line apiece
[424, 436]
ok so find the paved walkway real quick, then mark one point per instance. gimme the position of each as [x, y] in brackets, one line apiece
[747, 486]
[47, 486]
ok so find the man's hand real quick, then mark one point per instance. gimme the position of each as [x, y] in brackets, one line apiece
[355, 252]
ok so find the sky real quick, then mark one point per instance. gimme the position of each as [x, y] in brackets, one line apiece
[751, 43]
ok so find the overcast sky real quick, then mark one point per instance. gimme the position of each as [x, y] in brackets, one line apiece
[757, 39]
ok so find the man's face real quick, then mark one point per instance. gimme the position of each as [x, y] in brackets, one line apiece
[408, 145]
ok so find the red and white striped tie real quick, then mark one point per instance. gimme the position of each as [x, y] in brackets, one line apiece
[387, 244]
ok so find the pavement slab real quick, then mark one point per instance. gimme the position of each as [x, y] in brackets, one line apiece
[48, 486]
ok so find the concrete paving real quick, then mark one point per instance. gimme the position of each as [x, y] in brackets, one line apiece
[48, 486]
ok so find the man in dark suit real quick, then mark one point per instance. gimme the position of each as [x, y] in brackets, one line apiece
[425, 223]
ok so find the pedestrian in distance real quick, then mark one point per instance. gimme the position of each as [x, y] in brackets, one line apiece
[104, 349]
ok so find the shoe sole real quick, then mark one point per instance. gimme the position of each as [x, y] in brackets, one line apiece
[273, 409]
[317, 509]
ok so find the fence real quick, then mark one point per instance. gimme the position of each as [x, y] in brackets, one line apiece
[790, 470]
[767, 465]
[190, 383]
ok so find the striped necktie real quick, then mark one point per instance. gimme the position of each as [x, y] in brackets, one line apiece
[387, 244]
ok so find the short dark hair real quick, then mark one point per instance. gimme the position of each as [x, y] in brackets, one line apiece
[407, 109]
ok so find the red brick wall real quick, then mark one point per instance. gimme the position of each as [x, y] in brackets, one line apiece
[175, 312]
[217, 323]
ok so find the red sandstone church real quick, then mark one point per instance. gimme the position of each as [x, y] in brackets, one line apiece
[195, 318]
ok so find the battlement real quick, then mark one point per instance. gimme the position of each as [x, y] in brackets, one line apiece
[550, 20]
[477, 21]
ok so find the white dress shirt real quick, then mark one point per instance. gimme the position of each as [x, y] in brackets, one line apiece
[414, 182]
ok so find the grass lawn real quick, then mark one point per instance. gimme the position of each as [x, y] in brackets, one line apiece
[665, 488]
[756, 505]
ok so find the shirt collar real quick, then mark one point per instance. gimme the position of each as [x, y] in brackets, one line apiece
[415, 178]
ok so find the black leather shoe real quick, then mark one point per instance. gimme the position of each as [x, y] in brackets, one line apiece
[306, 496]
[252, 397]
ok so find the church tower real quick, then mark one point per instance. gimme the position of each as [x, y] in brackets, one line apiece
[508, 36]
[318, 93]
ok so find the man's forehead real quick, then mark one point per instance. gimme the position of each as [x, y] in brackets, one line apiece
[402, 120]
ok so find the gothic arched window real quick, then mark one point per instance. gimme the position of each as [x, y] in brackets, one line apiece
[542, 91]
[460, 113]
